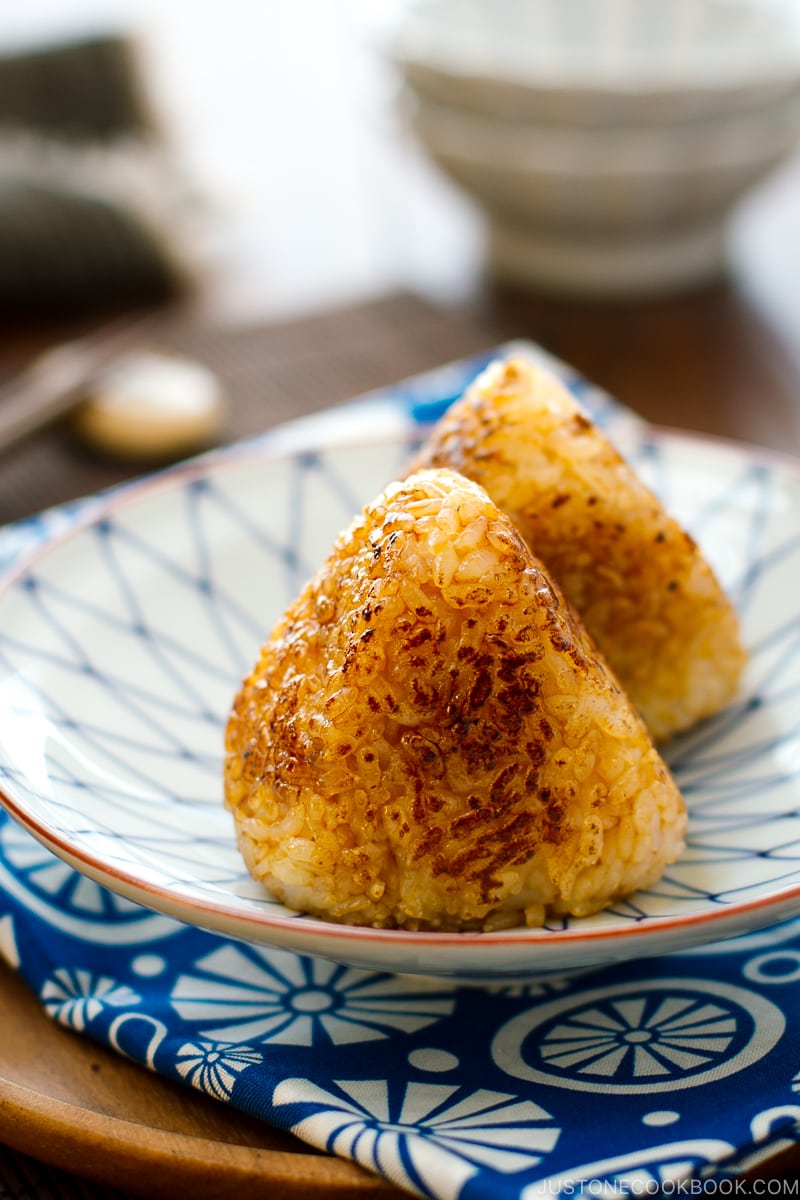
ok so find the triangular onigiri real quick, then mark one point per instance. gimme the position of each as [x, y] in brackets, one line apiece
[640, 583]
[431, 740]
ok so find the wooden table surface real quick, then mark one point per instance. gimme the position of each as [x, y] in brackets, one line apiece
[724, 360]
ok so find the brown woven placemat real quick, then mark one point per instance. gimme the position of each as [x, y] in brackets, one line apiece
[271, 373]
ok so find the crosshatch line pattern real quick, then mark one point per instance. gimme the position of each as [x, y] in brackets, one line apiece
[121, 649]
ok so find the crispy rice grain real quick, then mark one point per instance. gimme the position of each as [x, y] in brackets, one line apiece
[638, 580]
[430, 740]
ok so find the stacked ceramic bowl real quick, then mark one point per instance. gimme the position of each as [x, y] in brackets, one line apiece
[606, 140]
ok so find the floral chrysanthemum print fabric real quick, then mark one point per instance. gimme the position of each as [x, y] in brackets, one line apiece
[667, 1069]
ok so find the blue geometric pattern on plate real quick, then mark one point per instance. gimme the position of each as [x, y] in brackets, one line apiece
[120, 648]
[122, 645]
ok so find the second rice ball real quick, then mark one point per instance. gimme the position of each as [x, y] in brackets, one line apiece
[640, 583]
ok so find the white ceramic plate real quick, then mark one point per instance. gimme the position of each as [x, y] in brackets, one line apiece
[122, 643]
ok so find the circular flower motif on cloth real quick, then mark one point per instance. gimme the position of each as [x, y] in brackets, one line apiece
[213, 1067]
[429, 1138]
[69, 901]
[254, 994]
[76, 997]
[646, 1036]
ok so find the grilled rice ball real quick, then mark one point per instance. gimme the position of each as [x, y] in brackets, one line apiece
[638, 580]
[430, 740]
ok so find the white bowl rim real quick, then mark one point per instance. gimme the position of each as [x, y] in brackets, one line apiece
[419, 40]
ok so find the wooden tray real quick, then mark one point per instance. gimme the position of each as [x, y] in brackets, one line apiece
[69, 1102]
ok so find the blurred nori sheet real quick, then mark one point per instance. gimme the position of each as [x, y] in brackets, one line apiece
[61, 249]
[86, 89]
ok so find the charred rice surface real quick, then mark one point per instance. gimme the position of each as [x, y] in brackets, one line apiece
[641, 585]
[430, 739]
